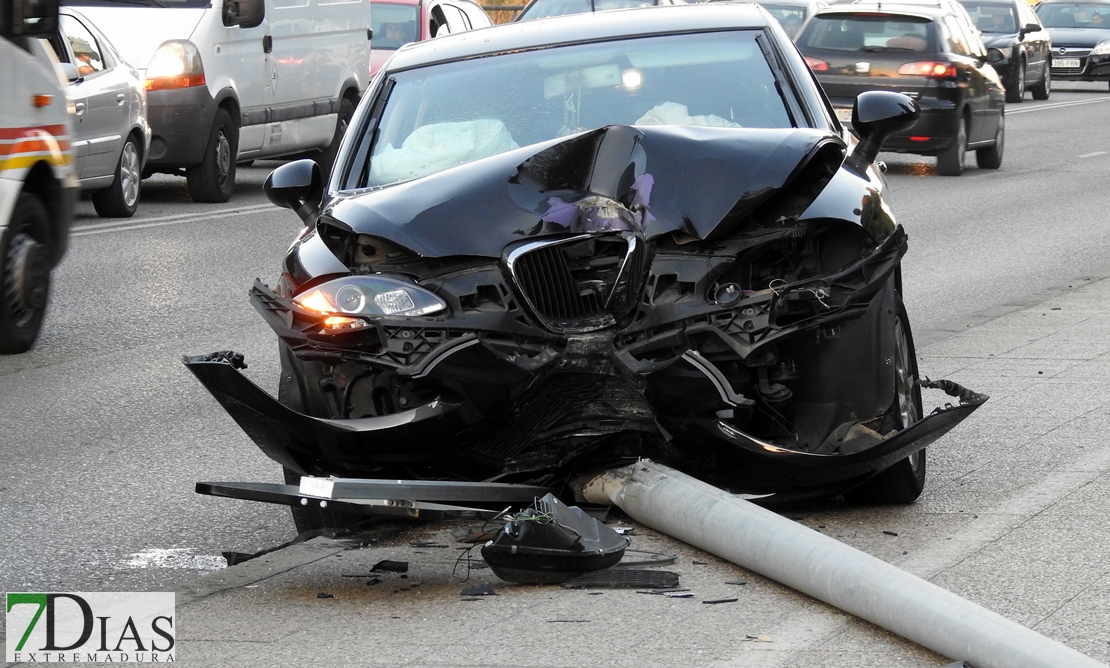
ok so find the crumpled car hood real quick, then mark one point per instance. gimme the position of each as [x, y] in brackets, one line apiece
[698, 181]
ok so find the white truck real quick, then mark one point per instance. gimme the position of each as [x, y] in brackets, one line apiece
[38, 187]
[231, 81]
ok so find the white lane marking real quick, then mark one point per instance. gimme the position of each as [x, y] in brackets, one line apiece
[1091, 155]
[206, 216]
[1056, 105]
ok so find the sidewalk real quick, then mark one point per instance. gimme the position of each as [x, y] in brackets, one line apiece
[1013, 518]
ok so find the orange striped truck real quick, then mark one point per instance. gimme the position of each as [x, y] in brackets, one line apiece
[38, 187]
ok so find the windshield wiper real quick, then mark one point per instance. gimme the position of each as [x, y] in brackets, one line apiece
[884, 49]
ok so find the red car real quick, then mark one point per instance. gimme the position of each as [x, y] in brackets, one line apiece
[398, 22]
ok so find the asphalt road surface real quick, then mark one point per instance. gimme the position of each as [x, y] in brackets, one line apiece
[103, 432]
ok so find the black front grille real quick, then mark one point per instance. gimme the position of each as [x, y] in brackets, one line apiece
[551, 288]
[582, 283]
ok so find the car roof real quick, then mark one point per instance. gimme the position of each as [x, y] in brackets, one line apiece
[392, 2]
[575, 28]
[1073, 2]
[919, 9]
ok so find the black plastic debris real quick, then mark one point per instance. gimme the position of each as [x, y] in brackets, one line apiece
[324, 594]
[480, 590]
[427, 544]
[237, 557]
[736, 582]
[388, 566]
[639, 559]
[890, 533]
[624, 578]
[714, 601]
[552, 542]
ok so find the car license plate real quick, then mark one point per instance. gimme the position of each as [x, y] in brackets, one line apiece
[845, 115]
[1064, 63]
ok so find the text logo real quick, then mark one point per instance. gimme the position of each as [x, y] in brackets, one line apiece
[78, 627]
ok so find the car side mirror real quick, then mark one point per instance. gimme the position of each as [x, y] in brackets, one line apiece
[296, 185]
[1028, 28]
[875, 116]
[70, 72]
[244, 13]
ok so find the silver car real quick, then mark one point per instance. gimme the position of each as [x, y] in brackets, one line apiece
[111, 133]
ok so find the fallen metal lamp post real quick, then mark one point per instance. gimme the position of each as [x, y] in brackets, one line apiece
[826, 569]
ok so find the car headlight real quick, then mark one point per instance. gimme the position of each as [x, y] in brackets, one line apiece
[997, 56]
[347, 298]
[176, 64]
[1101, 49]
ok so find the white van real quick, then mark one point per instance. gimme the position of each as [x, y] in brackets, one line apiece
[231, 81]
[38, 186]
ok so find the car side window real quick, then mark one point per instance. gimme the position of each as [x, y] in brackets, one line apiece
[88, 57]
[956, 37]
[437, 22]
[456, 20]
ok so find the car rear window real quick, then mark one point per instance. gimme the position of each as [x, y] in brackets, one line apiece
[869, 33]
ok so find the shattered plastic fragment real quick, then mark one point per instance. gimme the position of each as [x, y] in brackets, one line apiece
[390, 566]
[714, 601]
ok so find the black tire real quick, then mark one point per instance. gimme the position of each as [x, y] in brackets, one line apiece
[213, 180]
[950, 161]
[311, 517]
[1043, 89]
[1015, 92]
[121, 199]
[25, 266]
[904, 481]
[326, 157]
[991, 157]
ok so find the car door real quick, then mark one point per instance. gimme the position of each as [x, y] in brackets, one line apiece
[1037, 44]
[974, 77]
[100, 100]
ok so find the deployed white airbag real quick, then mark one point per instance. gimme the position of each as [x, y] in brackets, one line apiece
[438, 146]
[673, 113]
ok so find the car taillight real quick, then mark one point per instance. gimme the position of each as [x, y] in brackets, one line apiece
[929, 68]
[817, 65]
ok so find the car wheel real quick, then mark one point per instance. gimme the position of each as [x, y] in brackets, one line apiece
[290, 394]
[1015, 92]
[1042, 90]
[327, 156]
[24, 275]
[213, 180]
[121, 199]
[950, 161]
[991, 157]
[904, 481]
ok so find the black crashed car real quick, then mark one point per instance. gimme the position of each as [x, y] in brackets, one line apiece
[1080, 38]
[929, 51]
[562, 247]
[1018, 46]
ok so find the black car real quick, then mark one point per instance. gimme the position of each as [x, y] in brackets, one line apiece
[929, 51]
[566, 246]
[1080, 38]
[1018, 46]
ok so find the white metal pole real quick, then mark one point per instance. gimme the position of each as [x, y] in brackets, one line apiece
[814, 564]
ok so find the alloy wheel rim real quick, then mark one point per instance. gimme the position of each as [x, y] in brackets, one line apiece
[129, 174]
[904, 377]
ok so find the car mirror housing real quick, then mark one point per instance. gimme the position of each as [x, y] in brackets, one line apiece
[244, 13]
[1028, 28]
[70, 72]
[296, 185]
[875, 116]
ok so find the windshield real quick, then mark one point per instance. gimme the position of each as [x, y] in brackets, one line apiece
[394, 25]
[992, 17]
[449, 114]
[1077, 15]
[868, 34]
[192, 4]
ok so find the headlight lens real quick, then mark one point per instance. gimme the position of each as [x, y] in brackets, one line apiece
[370, 296]
[176, 64]
[1101, 49]
[996, 56]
